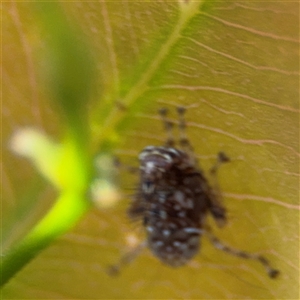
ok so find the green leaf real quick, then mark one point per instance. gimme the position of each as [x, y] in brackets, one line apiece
[66, 166]
[235, 66]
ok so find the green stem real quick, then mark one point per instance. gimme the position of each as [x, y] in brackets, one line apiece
[69, 208]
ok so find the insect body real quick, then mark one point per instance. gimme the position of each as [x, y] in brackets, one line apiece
[174, 198]
[173, 201]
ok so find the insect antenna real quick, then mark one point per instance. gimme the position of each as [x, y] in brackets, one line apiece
[168, 125]
[183, 139]
[217, 208]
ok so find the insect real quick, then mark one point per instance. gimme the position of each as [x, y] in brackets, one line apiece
[173, 200]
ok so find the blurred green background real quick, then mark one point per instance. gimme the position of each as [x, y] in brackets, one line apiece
[92, 76]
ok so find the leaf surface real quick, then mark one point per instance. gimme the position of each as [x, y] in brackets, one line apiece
[235, 66]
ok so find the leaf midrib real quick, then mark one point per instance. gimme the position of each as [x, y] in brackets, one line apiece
[117, 115]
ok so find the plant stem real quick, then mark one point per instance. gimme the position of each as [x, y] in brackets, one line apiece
[59, 220]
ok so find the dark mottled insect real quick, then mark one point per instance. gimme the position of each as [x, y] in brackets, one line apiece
[174, 199]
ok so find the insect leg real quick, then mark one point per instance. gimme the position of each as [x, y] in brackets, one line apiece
[137, 207]
[273, 273]
[221, 159]
[126, 259]
[118, 164]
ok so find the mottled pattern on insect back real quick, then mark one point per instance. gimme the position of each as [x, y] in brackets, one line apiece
[174, 198]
